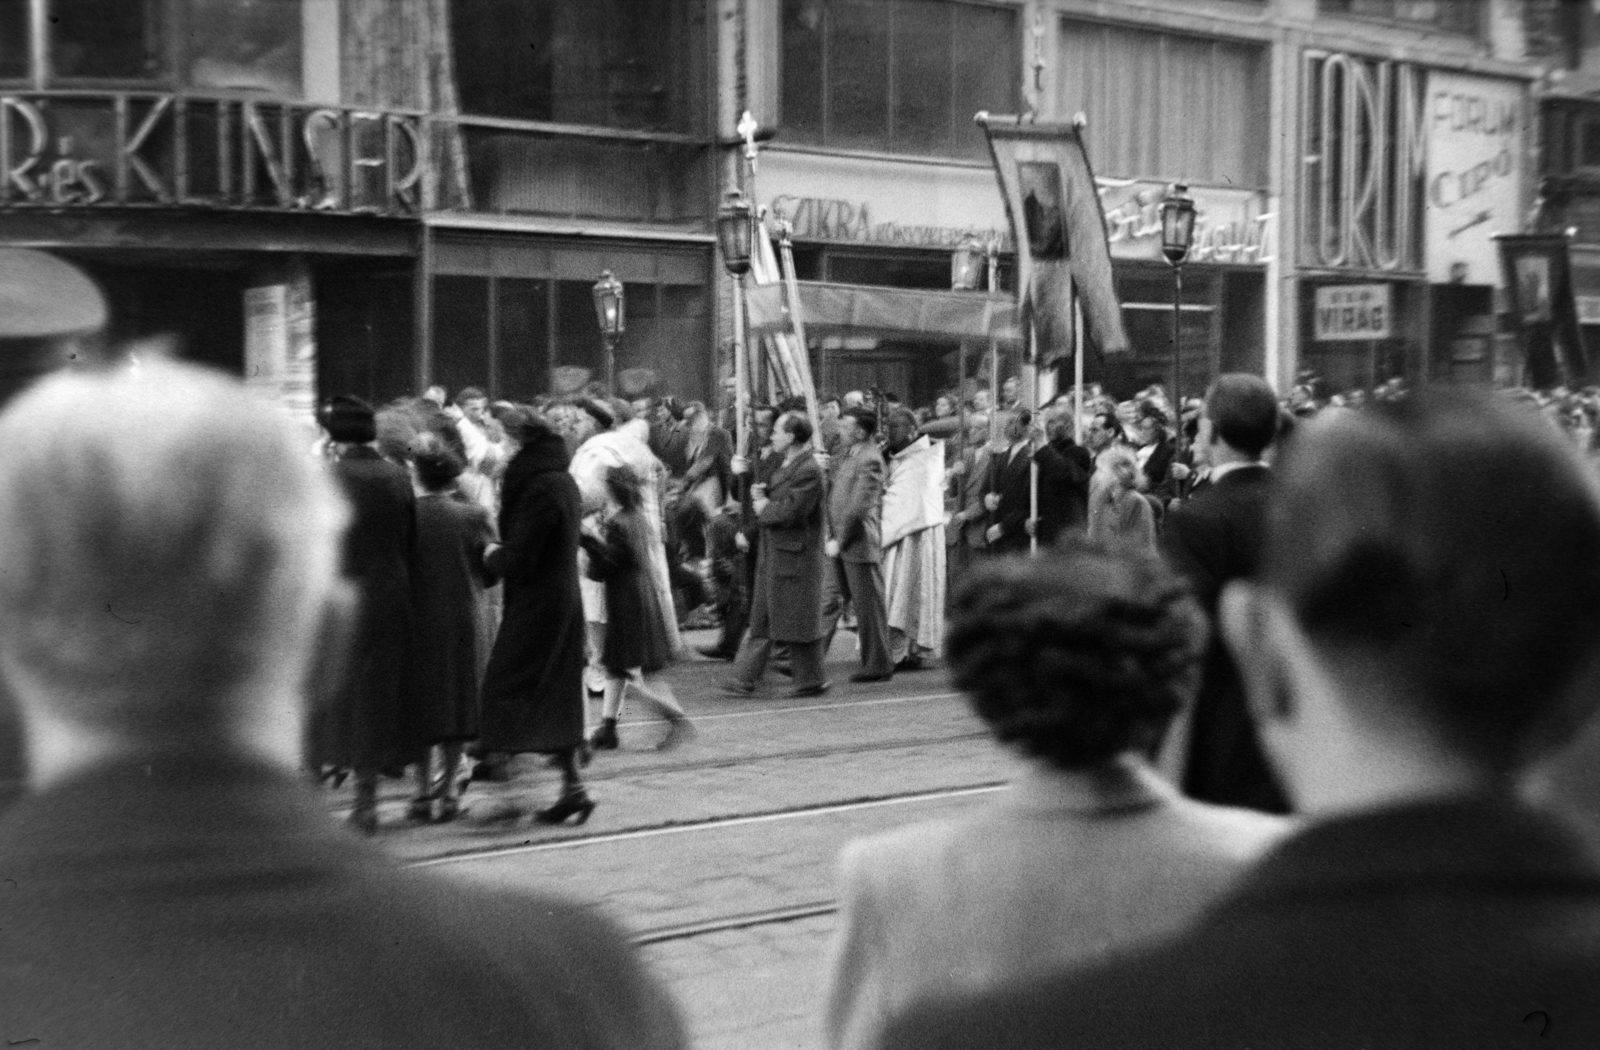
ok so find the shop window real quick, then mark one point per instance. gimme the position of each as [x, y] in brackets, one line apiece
[121, 41]
[900, 76]
[633, 64]
[1166, 106]
[1589, 143]
[13, 39]
[251, 45]
[522, 338]
[460, 332]
[1451, 16]
[578, 344]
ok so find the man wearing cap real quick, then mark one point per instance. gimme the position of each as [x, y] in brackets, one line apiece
[48, 308]
[358, 726]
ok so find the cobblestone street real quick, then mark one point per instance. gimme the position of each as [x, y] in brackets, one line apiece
[720, 857]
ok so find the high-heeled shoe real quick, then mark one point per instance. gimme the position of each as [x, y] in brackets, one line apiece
[679, 731]
[605, 737]
[574, 803]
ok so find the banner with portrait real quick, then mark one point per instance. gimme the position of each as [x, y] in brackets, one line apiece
[1059, 227]
[1538, 275]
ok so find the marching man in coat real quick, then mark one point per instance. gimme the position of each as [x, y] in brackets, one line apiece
[786, 603]
[913, 542]
[855, 548]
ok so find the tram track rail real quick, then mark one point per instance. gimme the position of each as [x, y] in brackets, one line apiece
[714, 823]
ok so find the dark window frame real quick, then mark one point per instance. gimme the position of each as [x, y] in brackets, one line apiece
[1328, 9]
[827, 141]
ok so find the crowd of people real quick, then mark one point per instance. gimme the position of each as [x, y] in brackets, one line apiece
[1370, 633]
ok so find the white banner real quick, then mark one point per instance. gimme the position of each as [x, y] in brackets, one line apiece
[1476, 141]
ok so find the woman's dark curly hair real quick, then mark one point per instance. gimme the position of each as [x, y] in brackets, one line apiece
[1079, 655]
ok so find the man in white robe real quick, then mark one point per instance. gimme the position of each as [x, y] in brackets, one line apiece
[913, 543]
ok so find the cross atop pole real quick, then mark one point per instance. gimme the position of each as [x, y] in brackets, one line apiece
[747, 131]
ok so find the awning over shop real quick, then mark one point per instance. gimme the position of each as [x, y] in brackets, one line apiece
[829, 308]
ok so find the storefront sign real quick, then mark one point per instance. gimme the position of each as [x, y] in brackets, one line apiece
[1363, 153]
[1350, 312]
[1475, 157]
[888, 204]
[182, 150]
[1230, 226]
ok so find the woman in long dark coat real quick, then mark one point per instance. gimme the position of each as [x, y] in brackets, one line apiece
[533, 689]
[454, 624]
[358, 726]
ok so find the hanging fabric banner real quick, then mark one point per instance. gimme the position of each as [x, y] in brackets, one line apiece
[1060, 232]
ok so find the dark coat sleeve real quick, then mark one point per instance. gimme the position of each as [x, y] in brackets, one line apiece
[866, 497]
[608, 556]
[1193, 548]
[795, 501]
[480, 536]
[533, 520]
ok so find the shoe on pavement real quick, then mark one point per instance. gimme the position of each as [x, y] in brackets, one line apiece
[911, 663]
[809, 690]
[711, 652]
[738, 688]
[871, 676]
[784, 669]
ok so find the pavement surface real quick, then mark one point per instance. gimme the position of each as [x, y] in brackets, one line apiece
[719, 856]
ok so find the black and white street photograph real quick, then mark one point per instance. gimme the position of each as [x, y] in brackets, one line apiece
[800, 524]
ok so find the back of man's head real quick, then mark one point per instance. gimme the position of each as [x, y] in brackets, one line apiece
[166, 546]
[1443, 555]
[1243, 412]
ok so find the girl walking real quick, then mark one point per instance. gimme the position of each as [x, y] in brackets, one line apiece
[638, 645]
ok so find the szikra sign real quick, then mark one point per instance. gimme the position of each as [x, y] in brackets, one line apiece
[1350, 312]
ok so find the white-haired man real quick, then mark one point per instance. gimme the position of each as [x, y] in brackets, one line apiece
[168, 558]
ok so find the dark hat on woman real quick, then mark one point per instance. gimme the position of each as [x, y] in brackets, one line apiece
[349, 419]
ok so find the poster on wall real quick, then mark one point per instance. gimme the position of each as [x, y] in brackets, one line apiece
[1476, 132]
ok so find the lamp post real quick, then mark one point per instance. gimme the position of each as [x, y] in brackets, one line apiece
[1177, 232]
[734, 236]
[608, 309]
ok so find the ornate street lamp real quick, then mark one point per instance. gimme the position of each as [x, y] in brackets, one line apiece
[1177, 233]
[735, 231]
[608, 310]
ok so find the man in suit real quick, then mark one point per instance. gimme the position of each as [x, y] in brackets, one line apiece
[855, 549]
[1064, 470]
[786, 601]
[1009, 499]
[168, 563]
[1212, 539]
[1422, 631]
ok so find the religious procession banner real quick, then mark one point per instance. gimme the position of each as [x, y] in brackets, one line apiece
[1059, 227]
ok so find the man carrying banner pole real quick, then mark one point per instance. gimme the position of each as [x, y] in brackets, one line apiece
[1063, 257]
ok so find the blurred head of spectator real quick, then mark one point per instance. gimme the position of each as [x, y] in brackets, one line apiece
[830, 407]
[1240, 418]
[1078, 657]
[167, 554]
[1428, 601]
[944, 406]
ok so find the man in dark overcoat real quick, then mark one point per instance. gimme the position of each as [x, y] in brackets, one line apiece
[1008, 497]
[1418, 634]
[359, 726]
[855, 546]
[170, 882]
[533, 687]
[786, 603]
[1212, 539]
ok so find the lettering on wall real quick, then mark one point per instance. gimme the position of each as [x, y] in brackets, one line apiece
[1351, 312]
[1364, 155]
[182, 150]
[1475, 149]
[1231, 226]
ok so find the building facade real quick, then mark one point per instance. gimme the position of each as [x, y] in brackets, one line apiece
[370, 196]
